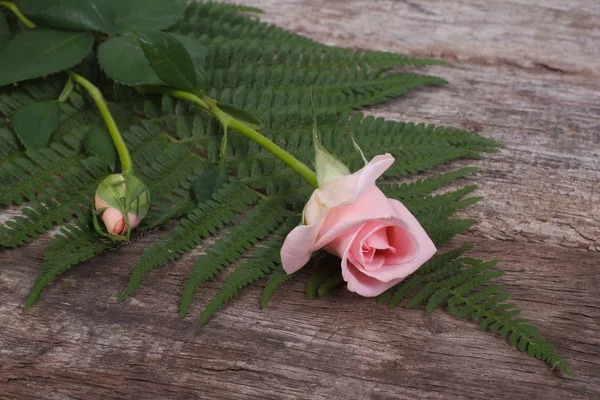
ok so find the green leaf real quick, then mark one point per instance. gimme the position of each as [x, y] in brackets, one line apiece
[169, 59]
[4, 31]
[240, 114]
[35, 123]
[123, 60]
[147, 15]
[208, 183]
[38, 52]
[97, 141]
[197, 52]
[75, 15]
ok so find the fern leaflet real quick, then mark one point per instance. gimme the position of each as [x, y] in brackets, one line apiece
[256, 225]
[205, 220]
[261, 262]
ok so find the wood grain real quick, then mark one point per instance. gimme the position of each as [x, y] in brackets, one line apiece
[522, 72]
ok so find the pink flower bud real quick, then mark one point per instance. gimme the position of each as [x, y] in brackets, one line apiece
[113, 219]
[117, 196]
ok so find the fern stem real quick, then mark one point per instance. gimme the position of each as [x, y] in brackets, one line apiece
[94, 92]
[228, 121]
[15, 10]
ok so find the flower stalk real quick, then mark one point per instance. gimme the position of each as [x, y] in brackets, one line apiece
[228, 121]
[113, 130]
[15, 10]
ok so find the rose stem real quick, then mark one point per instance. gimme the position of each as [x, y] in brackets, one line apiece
[228, 121]
[126, 163]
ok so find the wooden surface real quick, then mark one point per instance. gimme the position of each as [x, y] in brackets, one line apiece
[526, 73]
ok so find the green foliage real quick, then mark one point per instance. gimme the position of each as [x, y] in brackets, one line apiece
[73, 245]
[171, 61]
[461, 284]
[69, 197]
[26, 56]
[207, 183]
[75, 15]
[5, 35]
[423, 187]
[123, 60]
[204, 221]
[35, 123]
[146, 15]
[256, 225]
[97, 141]
[26, 175]
[276, 279]
[263, 260]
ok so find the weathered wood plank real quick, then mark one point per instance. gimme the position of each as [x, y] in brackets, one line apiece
[525, 73]
[80, 341]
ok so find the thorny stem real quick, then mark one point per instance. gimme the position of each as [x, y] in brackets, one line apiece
[94, 92]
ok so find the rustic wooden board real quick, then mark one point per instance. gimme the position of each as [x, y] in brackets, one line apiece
[523, 72]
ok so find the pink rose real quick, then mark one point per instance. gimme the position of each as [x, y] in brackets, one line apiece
[114, 220]
[379, 241]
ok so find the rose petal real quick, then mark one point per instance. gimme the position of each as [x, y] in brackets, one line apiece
[364, 254]
[426, 247]
[298, 247]
[114, 221]
[378, 239]
[371, 205]
[357, 281]
[99, 203]
[134, 221]
[346, 189]
[365, 285]
[405, 245]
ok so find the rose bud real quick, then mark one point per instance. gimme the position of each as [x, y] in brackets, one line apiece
[378, 240]
[121, 201]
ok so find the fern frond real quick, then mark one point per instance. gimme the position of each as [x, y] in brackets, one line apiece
[441, 206]
[442, 231]
[261, 62]
[403, 290]
[242, 8]
[423, 187]
[256, 225]
[12, 98]
[461, 284]
[320, 273]
[205, 220]
[277, 277]
[350, 88]
[54, 208]
[214, 19]
[73, 245]
[31, 173]
[8, 143]
[261, 262]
